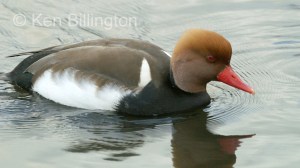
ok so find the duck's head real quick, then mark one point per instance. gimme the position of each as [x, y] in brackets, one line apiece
[201, 56]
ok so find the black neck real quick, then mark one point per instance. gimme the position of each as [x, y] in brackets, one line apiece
[172, 80]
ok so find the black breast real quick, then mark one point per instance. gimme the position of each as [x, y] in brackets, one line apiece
[152, 101]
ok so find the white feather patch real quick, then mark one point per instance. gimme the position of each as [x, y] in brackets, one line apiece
[168, 54]
[145, 73]
[63, 88]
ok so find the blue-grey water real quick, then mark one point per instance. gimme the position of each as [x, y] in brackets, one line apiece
[236, 130]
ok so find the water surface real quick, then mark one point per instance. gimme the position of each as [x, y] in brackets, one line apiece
[236, 130]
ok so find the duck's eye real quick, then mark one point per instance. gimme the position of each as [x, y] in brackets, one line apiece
[211, 58]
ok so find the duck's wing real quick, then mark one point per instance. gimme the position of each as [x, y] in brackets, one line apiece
[119, 63]
[119, 59]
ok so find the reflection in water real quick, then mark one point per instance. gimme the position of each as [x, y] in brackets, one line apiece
[109, 133]
[193, 144]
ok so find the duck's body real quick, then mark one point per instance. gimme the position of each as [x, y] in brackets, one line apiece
[124, 75]
[129, 76]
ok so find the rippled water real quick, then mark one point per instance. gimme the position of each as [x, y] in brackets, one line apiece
[265, 36]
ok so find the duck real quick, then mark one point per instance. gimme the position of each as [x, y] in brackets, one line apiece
[130, 76]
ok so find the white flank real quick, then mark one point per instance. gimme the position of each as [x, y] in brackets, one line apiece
[145, 74]
[166, 53]
[63, 88]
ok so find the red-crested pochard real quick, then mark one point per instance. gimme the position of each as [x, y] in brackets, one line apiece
[130, 76]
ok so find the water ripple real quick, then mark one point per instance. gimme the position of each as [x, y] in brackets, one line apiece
[266, 65]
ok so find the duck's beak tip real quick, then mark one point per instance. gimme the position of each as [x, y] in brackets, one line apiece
[229, 77]
[252, 91]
